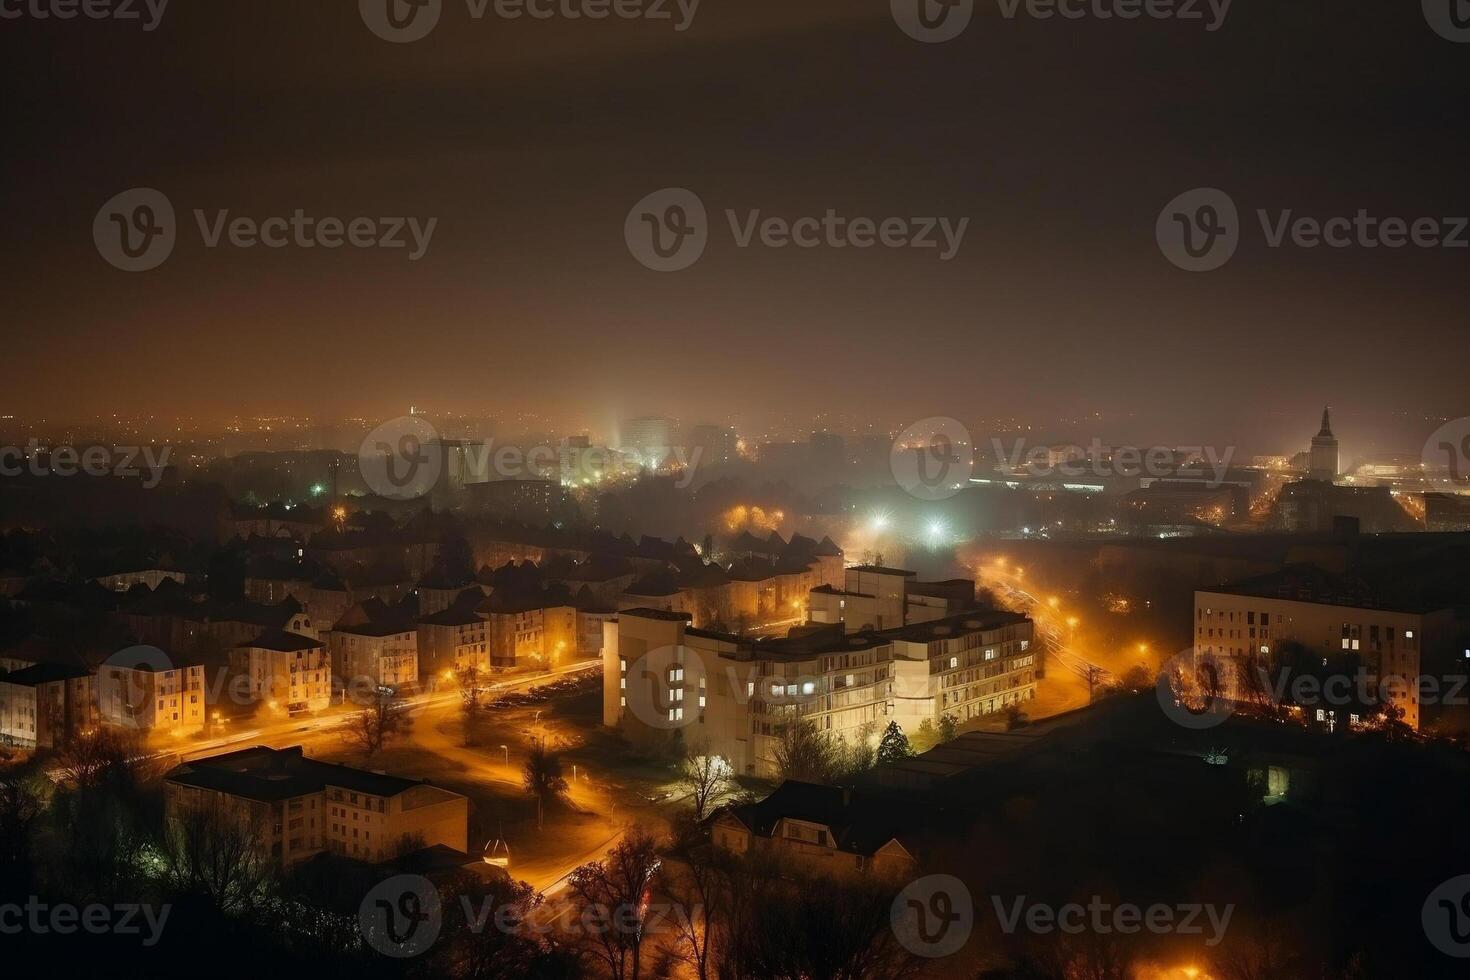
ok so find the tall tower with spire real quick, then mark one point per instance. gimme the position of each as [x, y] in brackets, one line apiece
[1323, 464]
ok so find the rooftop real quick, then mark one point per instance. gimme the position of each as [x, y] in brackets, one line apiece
[858, 825]
[269, 775]
[45, 673]
[283, 641]
[956, 625]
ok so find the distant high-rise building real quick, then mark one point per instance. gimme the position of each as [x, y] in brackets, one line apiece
[1323, 465]
[829, 450]
[716, 444]
[650, 438]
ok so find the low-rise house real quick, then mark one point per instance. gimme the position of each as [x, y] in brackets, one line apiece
[824, 828]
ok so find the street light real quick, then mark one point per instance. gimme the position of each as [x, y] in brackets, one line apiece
[506, 750]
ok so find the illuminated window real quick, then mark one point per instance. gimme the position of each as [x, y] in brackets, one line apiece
[808, 688]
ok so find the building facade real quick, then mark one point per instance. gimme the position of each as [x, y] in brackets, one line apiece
[287, 673]
[153, 702]
[1245, 625]
[664, 679]
[44, 705]
[299, 807]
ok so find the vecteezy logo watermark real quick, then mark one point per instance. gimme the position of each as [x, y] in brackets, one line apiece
[1102, 918]
[1446, 917]
[1183, 10]
[1447, 456]
[1449, 18]
[1190, 692]
[401, 21]
[934, 916]
[136, 231]
[123, 10]
[933, 458]
[402, 916]
[668, 231]
[123, 919]
[401, 459]
[1200, 230]
[90, 461]
[933, 21]
[664, 688]
[1075, 461]
[405, 21]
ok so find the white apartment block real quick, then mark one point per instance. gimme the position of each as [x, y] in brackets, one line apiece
[662, 677]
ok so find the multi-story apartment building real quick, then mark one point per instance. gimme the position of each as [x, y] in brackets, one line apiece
[152, 698]
[737, 696]
[873, 597]
[1396, 643]
[530, 633]
[43, 705]
[287, 673]
[450, 641]
[300, 807]
[380, 649]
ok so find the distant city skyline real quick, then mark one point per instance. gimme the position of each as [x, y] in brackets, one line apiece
[1058, 304]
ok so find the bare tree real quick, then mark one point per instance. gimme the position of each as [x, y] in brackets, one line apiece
[614, 895]
[783, 922]
[102, 755]
[214, 852]
[806, 754]
[708, 778]
[472, 694]
[22, 801]
[373, 727]
[697, 888]
[543, 779]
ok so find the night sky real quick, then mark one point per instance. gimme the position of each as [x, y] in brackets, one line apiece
[529, 141]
